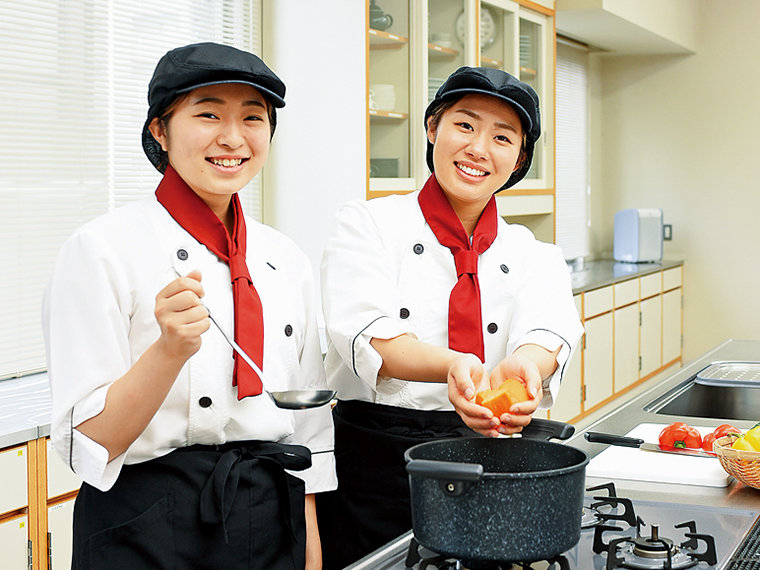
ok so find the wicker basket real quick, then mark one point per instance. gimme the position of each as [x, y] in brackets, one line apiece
[742, 465]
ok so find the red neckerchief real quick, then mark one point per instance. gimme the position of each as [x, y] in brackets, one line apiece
[192, 213]
[465, 320]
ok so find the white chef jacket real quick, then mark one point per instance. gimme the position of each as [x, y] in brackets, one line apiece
[385, 274]
[98, 318]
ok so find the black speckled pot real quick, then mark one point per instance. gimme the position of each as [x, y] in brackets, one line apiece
[507, 500]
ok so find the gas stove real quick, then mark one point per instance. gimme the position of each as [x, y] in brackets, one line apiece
[616, 533]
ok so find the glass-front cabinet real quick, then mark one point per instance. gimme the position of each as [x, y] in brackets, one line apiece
[390, 90]
[521, 42]
[448, 49]
[414, 45]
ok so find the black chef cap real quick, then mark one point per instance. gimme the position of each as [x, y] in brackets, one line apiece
[519, 95]
[186, 68]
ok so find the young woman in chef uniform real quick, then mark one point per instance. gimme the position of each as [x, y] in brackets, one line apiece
[185, 463]
[430, 297]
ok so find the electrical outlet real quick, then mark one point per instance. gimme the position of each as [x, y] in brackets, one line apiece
[667, 232]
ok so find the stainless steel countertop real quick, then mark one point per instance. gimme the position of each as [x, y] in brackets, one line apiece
[25, 408]
[629, 414]
[597, 274]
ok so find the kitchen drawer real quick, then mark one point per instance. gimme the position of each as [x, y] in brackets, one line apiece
[626, 292]
[597, 302]
[13, 491]
[61, 479]
[14, 537]
[671, 279]
[651, 285]
[60, 520]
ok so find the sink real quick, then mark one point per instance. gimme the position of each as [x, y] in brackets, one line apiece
[697, 400]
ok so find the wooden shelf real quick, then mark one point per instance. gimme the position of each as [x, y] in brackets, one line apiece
[490, 62]
[376, 115]
[528, 71]
[383, 40]
[440, 52]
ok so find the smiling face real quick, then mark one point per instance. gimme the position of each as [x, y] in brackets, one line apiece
[217, 138]
[477, 143]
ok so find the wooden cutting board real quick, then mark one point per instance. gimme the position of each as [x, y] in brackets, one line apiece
[632, 463]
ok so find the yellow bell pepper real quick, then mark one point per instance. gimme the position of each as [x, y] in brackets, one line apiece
[743, 445]
[753, 438]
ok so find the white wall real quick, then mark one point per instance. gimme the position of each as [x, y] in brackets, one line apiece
[317, 161]
[681, 133]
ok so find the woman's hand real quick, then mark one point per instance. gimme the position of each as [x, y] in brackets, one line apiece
[466, 377]
[133, 399]
[528, 372]
[181, 316]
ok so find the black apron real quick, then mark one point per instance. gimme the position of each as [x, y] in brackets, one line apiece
[371, 505]
[230, 507]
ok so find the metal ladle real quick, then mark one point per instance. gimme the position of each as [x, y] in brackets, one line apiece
[287, 399]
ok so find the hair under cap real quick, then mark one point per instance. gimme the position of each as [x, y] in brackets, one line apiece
[186, 68]
[519, 95]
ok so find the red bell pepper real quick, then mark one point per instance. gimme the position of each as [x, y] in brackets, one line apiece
[680, 435]
[724, 429]
[708, 441]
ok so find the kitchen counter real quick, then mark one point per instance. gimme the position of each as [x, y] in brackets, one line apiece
[631, 413]
[725, 515]
[597, 274]
[25, 409]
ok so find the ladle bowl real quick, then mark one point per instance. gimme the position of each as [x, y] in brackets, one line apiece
[287, 399]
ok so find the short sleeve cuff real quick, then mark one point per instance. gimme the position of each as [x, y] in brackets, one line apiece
[90, 462]
[321, 476]
[367, 361]
[550, 341]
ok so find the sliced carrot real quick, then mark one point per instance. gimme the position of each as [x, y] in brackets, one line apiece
[499, 401]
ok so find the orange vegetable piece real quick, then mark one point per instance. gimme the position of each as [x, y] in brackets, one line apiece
[500, 400]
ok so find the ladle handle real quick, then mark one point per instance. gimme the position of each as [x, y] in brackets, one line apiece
[236, 347]
[231, 342]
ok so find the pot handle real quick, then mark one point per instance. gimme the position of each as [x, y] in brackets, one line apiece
[454, 478]
[539, 428]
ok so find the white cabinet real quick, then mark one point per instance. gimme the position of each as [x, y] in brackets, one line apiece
[14, 543]
[672, 307]
[626, 339]
[650, 335]
[36, 507]
[626, 346]
[60, 478]
[597, 347]
[15, 535]
[633, 331]
[671, 326]
[13, 491]
[62, 483]
[597, 361]
[60, 519]
[626, 27]
[568, 404]
[650, 285]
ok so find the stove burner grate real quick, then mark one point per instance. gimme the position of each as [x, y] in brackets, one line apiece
[623, 547]
[655, 552]
[420, 558]
[645, 554]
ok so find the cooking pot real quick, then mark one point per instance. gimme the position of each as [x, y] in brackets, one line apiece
[509, 499]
